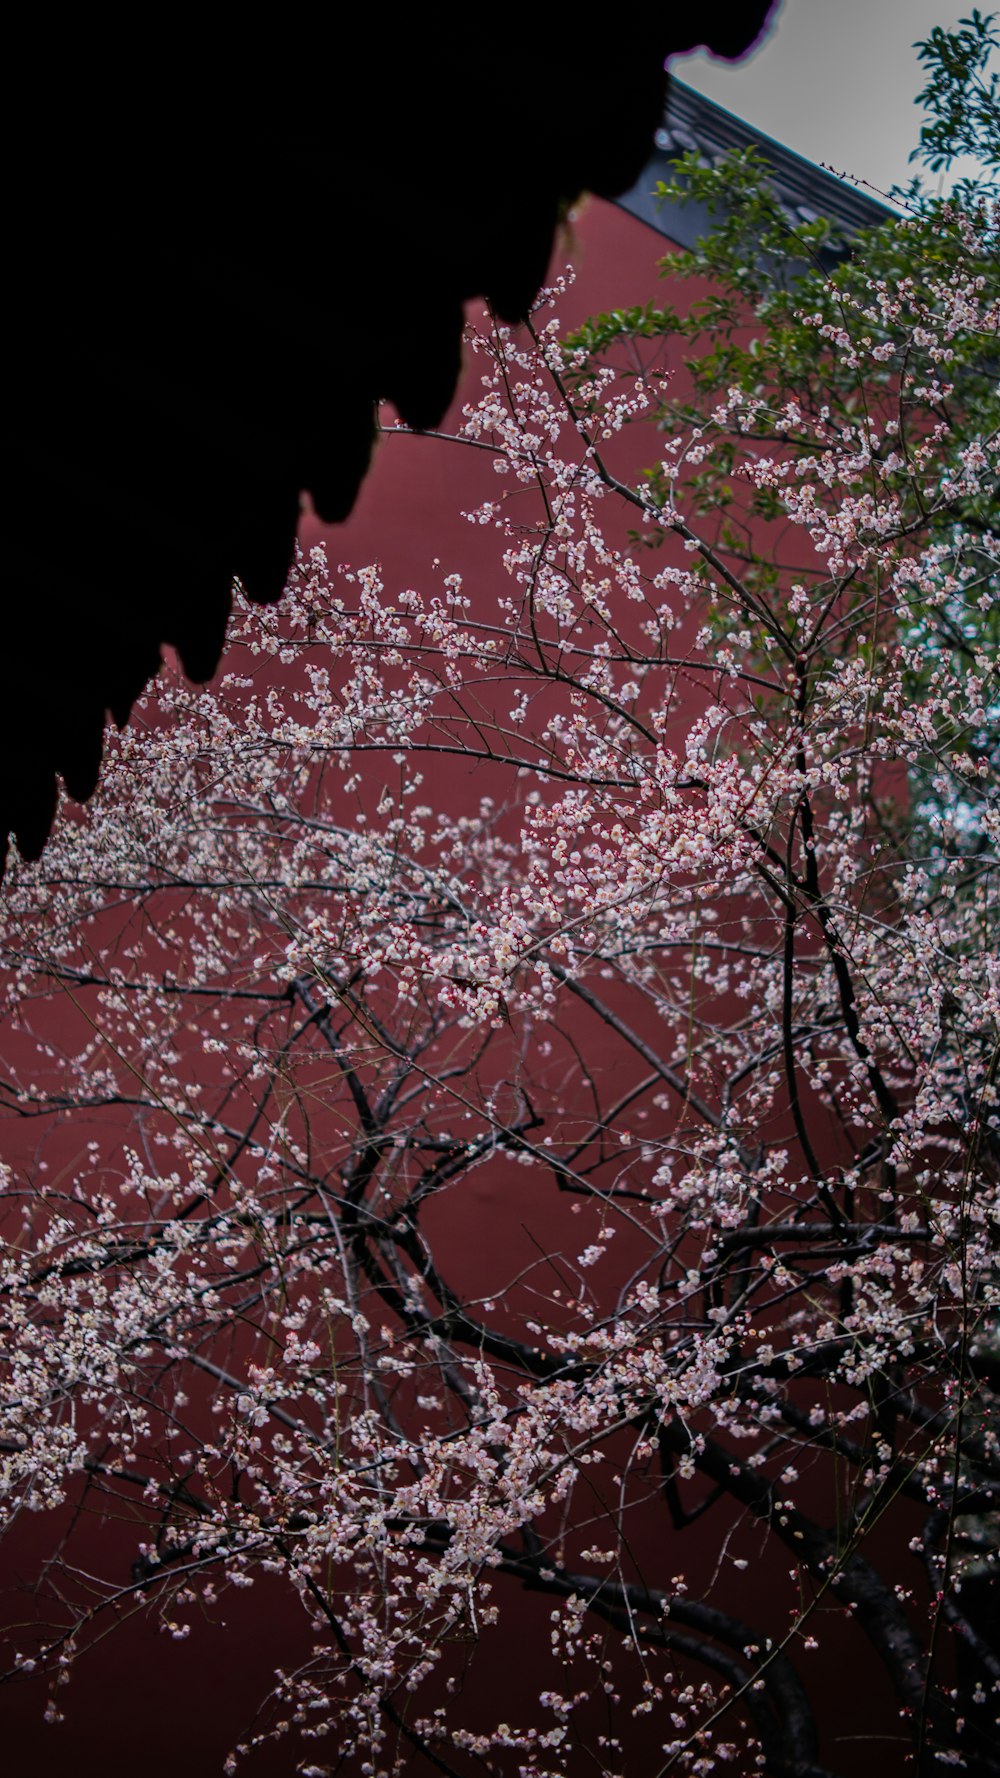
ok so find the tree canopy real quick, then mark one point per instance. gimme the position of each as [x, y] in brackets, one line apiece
[565, 1222]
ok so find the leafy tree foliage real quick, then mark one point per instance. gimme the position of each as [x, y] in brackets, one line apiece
[785, 316]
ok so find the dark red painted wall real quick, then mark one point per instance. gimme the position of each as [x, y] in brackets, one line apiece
[140, 1701]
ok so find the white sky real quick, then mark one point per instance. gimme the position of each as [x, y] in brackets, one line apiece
[836, 80]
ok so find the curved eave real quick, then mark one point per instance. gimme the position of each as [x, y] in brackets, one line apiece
[802, 190]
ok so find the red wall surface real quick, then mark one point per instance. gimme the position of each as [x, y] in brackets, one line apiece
[139, 1700]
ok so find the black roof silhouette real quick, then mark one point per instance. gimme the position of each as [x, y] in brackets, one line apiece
[232, 238]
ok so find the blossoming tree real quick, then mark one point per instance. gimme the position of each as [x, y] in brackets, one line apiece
[701, 990]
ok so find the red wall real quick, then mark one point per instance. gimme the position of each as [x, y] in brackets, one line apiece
[139, 1700]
